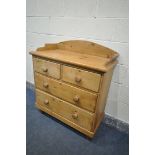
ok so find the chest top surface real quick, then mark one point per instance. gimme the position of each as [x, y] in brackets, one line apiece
[81, 53]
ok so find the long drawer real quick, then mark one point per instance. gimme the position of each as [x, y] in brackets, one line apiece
[47, 67]
[81, 78]
[76, 115]
[77, 96]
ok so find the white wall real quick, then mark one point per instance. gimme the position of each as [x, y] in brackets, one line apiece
[101, 21]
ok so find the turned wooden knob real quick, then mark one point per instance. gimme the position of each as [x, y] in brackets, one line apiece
[75, 115]
[44, 69]
[46, 102]
[76, 98]
[78, 79]
[45, 84]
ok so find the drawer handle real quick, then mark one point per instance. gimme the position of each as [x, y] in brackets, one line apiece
[76, 99]
[44, 69]
[45, 85]
[78, 79]
[75, 116]
[46, 102]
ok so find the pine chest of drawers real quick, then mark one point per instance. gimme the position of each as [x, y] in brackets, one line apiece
[72, 80]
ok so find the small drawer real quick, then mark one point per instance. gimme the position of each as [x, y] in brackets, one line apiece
[82, 78]
[47, 68]
[54, 105]
[76, 96]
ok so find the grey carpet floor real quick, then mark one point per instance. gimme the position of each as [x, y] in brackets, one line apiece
[46, 135]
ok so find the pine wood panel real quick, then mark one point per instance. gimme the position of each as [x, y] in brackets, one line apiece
[103, 94]
[87, 47]
[81, 78]
[86, 100]
[46, 67]
[83, 47]
[83, 60]
[67, 110]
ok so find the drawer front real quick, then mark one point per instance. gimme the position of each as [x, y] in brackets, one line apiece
[47, 68]
[81, 98]
[66, 110]
[81, 78]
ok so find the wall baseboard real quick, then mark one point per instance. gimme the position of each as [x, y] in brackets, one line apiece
[109, 120]
[116, 123]
[29, 85]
